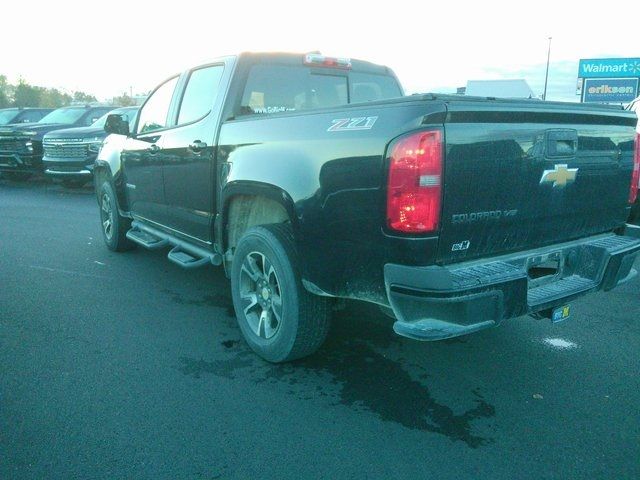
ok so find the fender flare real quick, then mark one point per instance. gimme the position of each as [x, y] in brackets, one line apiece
[116, 180]
[250, 188]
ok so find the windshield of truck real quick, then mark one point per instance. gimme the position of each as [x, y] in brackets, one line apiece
[280, 88]
[66, 116]
[7, 116]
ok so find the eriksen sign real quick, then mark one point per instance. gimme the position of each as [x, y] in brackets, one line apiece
[610, 90]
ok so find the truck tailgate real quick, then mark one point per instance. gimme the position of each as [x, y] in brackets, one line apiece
[522, 178]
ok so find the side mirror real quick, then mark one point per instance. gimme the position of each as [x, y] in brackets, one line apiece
[116, 124]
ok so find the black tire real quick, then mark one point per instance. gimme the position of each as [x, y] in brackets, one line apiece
[74, 183]
[304, 318]
[17, 176]
[113, 225]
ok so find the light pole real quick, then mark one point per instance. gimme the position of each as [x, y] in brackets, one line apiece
[546, 75]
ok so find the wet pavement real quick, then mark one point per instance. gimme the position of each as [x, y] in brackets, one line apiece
[126, 366]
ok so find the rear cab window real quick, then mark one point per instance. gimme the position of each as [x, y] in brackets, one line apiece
[275, 88]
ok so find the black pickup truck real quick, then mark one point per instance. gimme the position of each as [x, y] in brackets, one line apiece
[69, 154]
[21, 144]
[311, 178]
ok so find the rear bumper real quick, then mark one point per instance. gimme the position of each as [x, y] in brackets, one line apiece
[438, 302]
[17, 162]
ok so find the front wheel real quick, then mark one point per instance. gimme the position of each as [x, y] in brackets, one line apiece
[114, 225]
[279, 319]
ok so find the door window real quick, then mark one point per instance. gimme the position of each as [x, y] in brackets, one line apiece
[155, 113]
[200, 94]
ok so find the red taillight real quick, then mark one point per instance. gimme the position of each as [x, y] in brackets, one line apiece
[635, 176]
[414, 186]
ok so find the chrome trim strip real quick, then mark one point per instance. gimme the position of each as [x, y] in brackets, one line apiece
[56, 172]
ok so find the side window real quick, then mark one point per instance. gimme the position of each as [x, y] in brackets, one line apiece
[131, 118]
[155, 113]
[95, 115]
[200, 94]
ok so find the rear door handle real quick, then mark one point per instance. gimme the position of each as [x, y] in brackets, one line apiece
[153, 149]
[197, 146]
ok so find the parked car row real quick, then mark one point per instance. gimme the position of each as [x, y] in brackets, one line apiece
[63, 142]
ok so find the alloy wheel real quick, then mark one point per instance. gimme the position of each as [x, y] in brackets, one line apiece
[261, 295]
[106, 215]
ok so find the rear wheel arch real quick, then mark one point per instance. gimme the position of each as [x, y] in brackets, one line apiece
[250, 205]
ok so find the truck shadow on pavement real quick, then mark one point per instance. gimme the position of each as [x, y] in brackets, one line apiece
[42, 183]
[360, 367]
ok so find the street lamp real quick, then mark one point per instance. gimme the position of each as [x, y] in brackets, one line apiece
[546, 75]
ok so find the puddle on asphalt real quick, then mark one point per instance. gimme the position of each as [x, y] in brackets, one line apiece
[559, 343]
[352, 369]
[219, 300]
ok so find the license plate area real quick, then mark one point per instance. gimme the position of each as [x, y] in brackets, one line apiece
[560, 313]
[546, 268]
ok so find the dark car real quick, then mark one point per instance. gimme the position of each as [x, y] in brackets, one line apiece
[69, 153]
[21, 143]
[22, 115]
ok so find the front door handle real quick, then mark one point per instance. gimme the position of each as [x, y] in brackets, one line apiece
[197, 146]
[153, 149]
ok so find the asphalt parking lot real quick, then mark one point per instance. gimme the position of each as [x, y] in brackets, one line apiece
[126, 366]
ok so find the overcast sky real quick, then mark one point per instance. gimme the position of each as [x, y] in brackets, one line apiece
[106, 47]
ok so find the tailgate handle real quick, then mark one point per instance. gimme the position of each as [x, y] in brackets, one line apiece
[561, 143]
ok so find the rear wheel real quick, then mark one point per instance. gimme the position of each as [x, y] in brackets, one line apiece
[279, 319]
[114, 225]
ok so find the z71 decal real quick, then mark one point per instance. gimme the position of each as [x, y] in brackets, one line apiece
[347, 124]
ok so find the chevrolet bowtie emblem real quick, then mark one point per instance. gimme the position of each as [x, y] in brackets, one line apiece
[559, 176]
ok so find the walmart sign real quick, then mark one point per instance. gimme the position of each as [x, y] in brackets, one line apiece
[609, 68]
